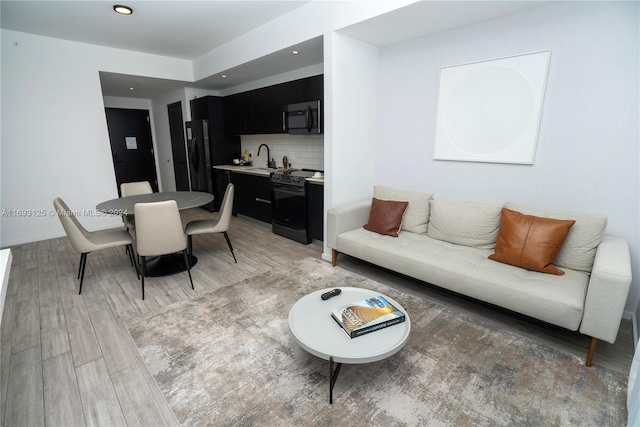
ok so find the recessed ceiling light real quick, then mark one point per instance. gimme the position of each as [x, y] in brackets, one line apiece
[224, 76]
[122, 9]
[294, 52]
[131, 88]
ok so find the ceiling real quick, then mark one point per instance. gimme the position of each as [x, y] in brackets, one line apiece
[179, 29]
[189, 29]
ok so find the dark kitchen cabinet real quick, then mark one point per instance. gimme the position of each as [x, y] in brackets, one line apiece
[315, 210]
[239, 115]
[252, 196]
[308, 89]
[275, 98]
[260, 111]
[222, 178]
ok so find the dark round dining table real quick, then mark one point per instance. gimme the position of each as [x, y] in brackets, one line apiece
[163, 265]
[184, 199]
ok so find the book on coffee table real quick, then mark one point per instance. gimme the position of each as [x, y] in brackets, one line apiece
[368, 315]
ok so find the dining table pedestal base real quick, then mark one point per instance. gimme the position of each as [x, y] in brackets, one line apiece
[166, 265]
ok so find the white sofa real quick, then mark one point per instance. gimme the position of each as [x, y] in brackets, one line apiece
[447, 242]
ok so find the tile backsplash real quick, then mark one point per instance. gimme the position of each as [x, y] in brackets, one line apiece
[303, 151]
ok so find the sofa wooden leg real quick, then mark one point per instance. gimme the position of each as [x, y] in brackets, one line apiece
[592, 349]
[334, 257]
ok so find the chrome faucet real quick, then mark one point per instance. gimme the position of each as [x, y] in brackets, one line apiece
[268, 154]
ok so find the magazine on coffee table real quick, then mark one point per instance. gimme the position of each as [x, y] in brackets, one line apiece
[368, 315]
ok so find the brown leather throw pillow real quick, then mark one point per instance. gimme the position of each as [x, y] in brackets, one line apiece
[530, 242]
[386, 216]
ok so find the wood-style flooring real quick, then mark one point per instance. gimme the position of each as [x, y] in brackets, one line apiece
[67, 359]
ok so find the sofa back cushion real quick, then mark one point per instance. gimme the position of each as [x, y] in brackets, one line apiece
[464, 223]
[579, 248]
[417, 214]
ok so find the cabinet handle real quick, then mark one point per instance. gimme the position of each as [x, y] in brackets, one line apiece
[284, 121]
[258, 199]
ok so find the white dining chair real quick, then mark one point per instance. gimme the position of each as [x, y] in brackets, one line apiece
[218, 225]
[133, 189]
[85, 242]
[159, 232]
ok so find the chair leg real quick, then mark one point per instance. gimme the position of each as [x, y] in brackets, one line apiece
[80, 265]
[144, 272]
[83, 264]
[132, 259]
[130, 253]
[187, 262]
[190, 245]
[226, 236]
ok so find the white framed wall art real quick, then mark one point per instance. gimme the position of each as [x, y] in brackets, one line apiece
[490, 111]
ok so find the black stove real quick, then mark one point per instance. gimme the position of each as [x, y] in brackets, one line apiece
[289, 204]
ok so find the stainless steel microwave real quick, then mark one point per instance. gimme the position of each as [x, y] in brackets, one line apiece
[303, 118]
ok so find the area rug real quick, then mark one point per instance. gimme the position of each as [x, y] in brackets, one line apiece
[226, 358]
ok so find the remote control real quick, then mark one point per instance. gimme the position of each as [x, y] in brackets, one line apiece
[330, 294]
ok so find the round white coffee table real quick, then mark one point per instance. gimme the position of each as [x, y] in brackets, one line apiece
[314, 330]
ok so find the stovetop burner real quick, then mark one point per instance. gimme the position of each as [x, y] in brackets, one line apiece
[295, 178]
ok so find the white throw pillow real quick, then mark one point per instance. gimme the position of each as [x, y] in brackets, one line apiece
[579, 248]
[417, 214]
[464, 223]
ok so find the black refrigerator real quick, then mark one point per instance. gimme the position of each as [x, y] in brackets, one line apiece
[206, 150]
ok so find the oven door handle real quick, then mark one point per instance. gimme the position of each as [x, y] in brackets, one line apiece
[258, 199]
[294, 191]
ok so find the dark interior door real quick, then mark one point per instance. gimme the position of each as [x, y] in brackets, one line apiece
[178, 147]
[131, 146]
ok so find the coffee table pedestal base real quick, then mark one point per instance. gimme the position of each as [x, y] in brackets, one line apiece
[334, 370]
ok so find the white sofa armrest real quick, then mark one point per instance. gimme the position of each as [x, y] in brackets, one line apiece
[346, 218]
[608, 289]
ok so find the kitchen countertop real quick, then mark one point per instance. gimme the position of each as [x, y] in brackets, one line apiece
[254, 170]
[260, 170]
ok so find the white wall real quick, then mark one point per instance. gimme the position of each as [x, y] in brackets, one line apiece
[588, 146]
[54, 135]
[351, 76]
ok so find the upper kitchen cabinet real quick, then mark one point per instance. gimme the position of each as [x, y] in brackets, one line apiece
[309, 89]
[260, 111]
[238, 117]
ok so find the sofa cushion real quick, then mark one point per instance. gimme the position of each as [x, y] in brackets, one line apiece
[464, 223]
[530, 242]
[386, 217]
[579, 249]
[417, 214]
[558, 300]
